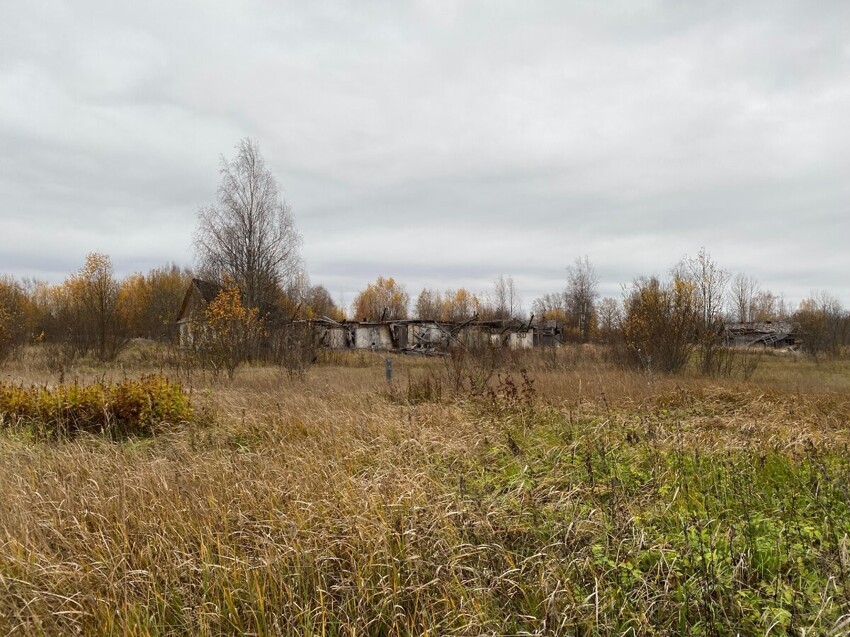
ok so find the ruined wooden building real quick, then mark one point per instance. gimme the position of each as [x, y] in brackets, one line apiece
[408, 335]
[425, 336]
[775, 334]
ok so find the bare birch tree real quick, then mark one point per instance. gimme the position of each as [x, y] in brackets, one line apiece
[514, 300]
[504, 302]
[766, 307]
[581, 293]
[609, 316]
[709, 282]
[248, 235]
[550, 307]
[742, 297]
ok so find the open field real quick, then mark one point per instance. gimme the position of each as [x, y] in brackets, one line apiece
[574, 499]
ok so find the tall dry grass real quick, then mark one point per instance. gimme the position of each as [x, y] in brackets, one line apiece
[607, 502]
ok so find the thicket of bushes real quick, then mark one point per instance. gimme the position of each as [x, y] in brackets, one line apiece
[130, 407]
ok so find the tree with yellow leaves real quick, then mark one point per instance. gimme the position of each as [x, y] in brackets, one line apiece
[87, 309]
[148, 301]
[459, 305]
[382, 299]
[659, 323]
[230, 332]
[6, 342]
[453, 306]
[16, 316]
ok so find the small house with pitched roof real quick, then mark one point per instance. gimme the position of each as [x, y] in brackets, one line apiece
[195, 301]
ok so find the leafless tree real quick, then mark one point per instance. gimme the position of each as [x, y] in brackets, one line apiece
[298, 286]
[742, 297]
[498, 300]
[550, 307]
[514, 300]
[249, 234]
[321, 302]
[581, 294]
[610, 315]
[504, 302]
[709, 283]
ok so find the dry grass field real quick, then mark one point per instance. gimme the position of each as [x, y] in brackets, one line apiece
[572, 498]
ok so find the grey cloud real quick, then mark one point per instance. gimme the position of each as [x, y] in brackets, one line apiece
[442, 143]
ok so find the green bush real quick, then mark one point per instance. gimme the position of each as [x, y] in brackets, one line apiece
[131, 407]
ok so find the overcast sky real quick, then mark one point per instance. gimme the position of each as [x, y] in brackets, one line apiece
[442, 143]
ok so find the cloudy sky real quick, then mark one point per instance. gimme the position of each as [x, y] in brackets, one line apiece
[442, 143]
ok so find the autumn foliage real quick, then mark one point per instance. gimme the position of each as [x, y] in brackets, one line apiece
[87, 306]
[382, 299]
[452, 306]
[149, 301]
[659, 323]
[824, 324]
[16, 316]
[230, 332]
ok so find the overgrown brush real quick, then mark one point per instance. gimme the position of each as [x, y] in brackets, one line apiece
[129, 407]
[671, 505]
[500, 393]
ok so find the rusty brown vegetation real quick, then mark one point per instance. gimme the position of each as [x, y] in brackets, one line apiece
[543, 493]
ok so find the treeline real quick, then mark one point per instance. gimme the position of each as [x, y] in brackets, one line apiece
[660, 321]
[93, 312]
[657, 323]
[387, 299]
